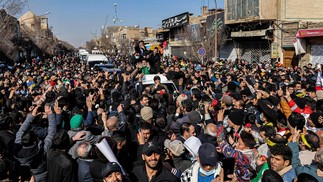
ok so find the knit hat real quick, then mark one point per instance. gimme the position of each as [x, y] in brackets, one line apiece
[146, 113]
[208, 155]
[176, 147]
[194, 117]
[192, 144]
[76, 121]
[319, 94]
[236, 117]
[226, 99]
[180, 98]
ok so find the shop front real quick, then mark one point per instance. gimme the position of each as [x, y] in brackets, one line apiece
[310, 41]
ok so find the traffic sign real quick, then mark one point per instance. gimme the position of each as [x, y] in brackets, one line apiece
[202, 51]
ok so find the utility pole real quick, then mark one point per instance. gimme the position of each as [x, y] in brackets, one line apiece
[216, 30]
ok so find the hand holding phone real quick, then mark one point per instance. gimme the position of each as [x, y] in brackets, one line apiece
[228, 167]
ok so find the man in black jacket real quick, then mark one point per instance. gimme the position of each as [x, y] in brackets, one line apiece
[60, 165]
[153, 169]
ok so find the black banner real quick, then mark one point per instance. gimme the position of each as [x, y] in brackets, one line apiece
[176, 21]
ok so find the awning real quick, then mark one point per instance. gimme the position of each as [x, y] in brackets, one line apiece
[309, 33]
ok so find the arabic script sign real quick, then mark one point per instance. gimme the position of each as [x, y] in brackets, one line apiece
[176, 21]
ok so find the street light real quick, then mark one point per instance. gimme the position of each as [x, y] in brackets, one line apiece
[216, 30]
[48, 12]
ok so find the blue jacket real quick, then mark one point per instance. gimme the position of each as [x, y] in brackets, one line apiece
[296, 163]
[289, 176]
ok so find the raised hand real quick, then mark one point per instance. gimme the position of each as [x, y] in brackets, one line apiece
[48, 109]
[79, 136]
[34, 110]
[57, 109]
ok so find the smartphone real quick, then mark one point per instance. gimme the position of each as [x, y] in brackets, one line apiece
[228, 167]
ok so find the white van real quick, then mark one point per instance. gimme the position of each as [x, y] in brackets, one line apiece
[95, 51]
[93, 59]
[148, 80]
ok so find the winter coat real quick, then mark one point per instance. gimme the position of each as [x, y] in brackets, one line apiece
[191, 174]
[296, 163]
[139, 174]
[35, 156]
[61, 167]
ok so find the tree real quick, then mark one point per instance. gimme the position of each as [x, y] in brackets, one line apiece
[13, 7]
[106, 43]
[89, 45]
[9, 35]
[123, 45]
[9, 26]
[194, 36]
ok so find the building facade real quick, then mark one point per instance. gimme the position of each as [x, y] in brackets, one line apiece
[192, 37]
[37, 38]
[266, 30]
[122, 39]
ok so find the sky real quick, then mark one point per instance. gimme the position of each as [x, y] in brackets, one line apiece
[78, 21]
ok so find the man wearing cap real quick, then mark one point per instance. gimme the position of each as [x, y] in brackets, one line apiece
[153, 169]
[146, 114]
[112, 173]
[206, 168]
[235, 122]
[175, 150]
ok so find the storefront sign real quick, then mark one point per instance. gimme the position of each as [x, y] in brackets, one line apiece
[176, 21]
[274, 50]
[309, 33]
[289, 31]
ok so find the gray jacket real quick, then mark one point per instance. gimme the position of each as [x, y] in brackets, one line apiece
[89, 137]
[36, 162]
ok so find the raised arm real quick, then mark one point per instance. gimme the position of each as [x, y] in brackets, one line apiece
[25, 126]
[51, 125]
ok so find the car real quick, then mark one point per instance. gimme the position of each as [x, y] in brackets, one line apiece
[93, 59]
[148, 80]
[106, 67]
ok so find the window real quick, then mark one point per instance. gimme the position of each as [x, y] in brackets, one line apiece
[240, 9]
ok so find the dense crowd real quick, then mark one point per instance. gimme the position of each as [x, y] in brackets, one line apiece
[228, 121]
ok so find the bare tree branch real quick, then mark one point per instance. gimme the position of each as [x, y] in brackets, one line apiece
[13, 7]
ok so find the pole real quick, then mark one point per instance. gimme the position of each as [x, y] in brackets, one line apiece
[216, 30]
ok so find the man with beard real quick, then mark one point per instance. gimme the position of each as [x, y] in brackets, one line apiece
[153, 169]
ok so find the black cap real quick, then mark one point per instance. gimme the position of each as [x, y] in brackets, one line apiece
[111, 167]
[208, 155]
[150, 147]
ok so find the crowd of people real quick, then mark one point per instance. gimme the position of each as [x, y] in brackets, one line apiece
[227, 121]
